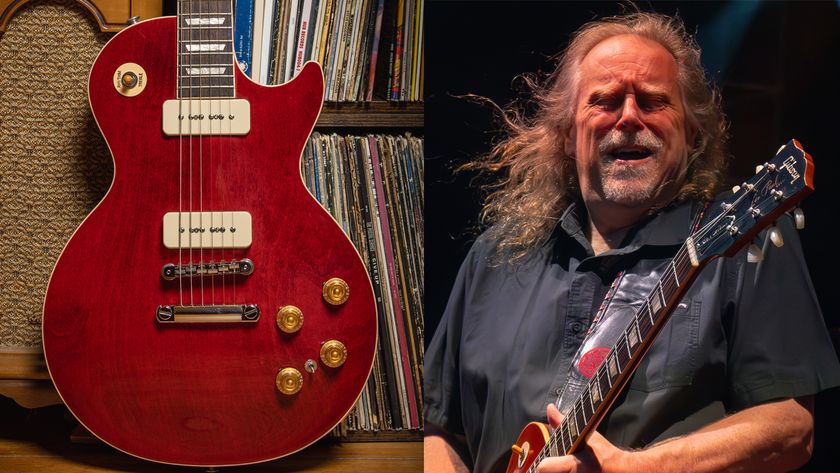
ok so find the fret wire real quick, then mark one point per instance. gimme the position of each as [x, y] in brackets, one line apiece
[598, 384]
[659, 285]
[185, 15]
[224, 28]
[208, 64]
[569, 435]
[617, 363]
[204, 53]
[200, 86]
[638, 332]
[629, 353]
[676, 276]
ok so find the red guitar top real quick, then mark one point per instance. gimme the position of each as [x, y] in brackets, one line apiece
[209, 391]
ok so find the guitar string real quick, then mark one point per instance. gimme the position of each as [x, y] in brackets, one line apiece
[192, 140]
[228, 139]
[211, 268]
[681, 258]
[201, 116]
[180, 117]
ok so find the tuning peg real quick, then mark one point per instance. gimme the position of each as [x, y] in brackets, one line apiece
[780, 149]
[754, 254]
[759, 168]
[735, 189]
[799, 218]
[776, 236]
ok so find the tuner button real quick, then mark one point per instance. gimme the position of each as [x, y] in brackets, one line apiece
[735, 189]
[336, 291]
[759, 168]
[516, 449]
[333, 353]
[780, 149]
[289, 319]
[799, 218]
[776, 236]
[289, 381]
[754, 254]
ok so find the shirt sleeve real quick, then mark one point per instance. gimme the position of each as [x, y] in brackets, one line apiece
[441, 377]
[778, 343]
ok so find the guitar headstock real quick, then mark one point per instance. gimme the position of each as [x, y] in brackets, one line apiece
[778, 186]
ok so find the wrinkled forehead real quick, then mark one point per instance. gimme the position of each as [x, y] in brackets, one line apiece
[629, 60]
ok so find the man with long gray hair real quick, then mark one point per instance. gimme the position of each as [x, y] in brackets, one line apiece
[622, 159]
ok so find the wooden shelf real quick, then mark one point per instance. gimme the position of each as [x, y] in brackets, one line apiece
[379, 114]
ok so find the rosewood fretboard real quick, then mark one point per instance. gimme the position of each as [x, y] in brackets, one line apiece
[205, 49]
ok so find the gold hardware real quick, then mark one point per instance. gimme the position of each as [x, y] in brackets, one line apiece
[289, 381]
[289, 319]
[333, 353]
[130, 79]
[336, 291]
[516, 449]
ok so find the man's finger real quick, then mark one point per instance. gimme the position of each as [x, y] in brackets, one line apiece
[565, 464]
[554, 416]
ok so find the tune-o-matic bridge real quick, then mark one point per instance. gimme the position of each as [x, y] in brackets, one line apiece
[221, 268]
[207, 314]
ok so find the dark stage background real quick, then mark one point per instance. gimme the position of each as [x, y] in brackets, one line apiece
[776, 64]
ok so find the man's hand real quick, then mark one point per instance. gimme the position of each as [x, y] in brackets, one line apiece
[776, 436]
[598, 456]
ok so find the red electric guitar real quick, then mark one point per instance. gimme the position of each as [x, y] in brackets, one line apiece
[208, 311]
[777, 187]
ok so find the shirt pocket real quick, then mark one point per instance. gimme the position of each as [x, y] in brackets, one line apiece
[673, 358]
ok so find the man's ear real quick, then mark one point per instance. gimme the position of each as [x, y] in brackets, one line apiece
[570, 141]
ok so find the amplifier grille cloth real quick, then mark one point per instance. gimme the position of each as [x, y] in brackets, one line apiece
[54, 164]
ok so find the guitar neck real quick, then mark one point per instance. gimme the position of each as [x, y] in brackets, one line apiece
[609, 379]
[205, 49]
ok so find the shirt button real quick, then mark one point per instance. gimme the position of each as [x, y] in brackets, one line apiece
[576, 327]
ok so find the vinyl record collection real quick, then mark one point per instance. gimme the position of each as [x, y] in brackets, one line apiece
[368, 48]
[373, 187]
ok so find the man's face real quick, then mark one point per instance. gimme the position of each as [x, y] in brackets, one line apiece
[629, 137]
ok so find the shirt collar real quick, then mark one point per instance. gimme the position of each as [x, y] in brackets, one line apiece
[669, 227]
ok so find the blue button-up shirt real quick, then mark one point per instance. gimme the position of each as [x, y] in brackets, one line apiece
[744, 334]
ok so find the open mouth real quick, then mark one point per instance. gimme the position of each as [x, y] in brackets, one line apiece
[630, 153]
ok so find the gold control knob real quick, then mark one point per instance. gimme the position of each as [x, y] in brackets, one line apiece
[333, 353]
[336, 291]
[289, 319]
[129, 80]
[289, 381]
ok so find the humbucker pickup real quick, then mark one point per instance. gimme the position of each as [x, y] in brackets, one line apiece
[207, 230]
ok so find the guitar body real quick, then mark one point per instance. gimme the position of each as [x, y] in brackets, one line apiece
[531, 440]
[204, 394]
